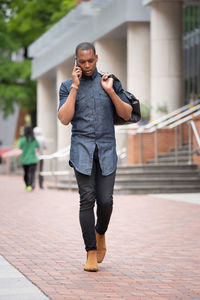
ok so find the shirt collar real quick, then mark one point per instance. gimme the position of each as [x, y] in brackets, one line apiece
[90, 77]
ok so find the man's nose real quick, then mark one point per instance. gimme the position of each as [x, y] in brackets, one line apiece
[87, 64]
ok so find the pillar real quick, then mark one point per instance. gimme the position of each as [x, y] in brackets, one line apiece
[138, 60]
[112, 58]
[166, 56]
[47, 110]
[63, 131]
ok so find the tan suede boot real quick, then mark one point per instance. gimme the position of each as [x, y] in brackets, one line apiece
[91, 264]
[101, 247]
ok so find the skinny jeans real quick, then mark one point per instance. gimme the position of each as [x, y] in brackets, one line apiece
[94, 188]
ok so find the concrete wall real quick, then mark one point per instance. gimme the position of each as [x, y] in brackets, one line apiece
[138, 60]
[166, 56]
[47, 110]
[63, 132]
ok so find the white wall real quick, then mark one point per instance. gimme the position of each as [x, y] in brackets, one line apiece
[166, 56]
[138, 60]
[63, 131]
[47, 110]
[112, 58]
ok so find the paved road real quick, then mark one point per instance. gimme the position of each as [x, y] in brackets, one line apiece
[153, 247]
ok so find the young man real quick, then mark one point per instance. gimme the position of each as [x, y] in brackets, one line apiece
[87, 101]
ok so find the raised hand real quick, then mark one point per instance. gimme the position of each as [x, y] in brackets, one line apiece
[76, 75]
[106, 82]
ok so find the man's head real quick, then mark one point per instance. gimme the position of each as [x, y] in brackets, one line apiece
[86, 58]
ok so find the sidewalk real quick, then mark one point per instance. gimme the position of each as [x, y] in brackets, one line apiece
[153, 246]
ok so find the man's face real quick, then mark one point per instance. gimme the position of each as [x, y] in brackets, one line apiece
[87, 60]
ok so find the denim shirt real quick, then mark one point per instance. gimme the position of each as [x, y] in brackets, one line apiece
[92, 124]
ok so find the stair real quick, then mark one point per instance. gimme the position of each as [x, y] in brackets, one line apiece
[151, 179]
[166, 176]
[170, 158]
[158, 178]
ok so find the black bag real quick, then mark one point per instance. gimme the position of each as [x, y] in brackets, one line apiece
[136, 114]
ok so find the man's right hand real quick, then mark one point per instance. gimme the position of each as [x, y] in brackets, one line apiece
[76, 75]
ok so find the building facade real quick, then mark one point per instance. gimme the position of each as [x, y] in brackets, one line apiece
[139, 41]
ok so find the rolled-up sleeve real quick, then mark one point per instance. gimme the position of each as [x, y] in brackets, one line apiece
[119, 91]
[63, 94]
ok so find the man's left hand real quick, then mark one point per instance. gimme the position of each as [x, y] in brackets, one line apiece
[106, 82]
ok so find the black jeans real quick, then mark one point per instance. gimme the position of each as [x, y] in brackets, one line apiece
[29, 174]
[99, 188]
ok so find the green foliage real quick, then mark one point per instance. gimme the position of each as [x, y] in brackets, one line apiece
[162, 108]
[145, 111]
[21, 22]
[29, 19]
[16, 86]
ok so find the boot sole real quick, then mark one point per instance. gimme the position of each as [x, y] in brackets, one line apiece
[90, 270]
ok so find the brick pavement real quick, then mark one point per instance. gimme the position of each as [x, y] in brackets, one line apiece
[153, 245]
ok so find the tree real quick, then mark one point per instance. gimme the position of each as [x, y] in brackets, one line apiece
[21, 22]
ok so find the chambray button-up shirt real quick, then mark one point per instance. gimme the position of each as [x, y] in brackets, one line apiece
[92, 124]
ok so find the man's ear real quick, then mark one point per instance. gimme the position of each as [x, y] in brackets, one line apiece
[96, 57]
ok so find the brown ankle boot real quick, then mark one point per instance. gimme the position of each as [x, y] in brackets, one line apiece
[101, 247]
[91, 264]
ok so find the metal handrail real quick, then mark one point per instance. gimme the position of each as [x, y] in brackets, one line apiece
[61, 153]
[196, 134]
[172, 120]
[162, 121]
[178, 117]
[169, 115]
[179, 122]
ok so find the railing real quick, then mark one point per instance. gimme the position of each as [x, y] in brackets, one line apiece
[162, 121]
[11, 160]
[196, 134]
[174, 120]
[54, 162]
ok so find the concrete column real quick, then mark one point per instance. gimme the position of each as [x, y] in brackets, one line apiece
[166, 56]
[112, 58]
[63, 131]
[138, 60]
[46, 110]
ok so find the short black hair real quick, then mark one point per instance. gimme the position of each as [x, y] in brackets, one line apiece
[85, 46]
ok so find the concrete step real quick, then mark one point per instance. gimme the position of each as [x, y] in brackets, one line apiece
[172, 154]
[143, 181]
[181, 149]
[171, 160]
[162, 180]
[156, 189]
[146, 189]
[161, 167]
[154, 174]
[154, 166]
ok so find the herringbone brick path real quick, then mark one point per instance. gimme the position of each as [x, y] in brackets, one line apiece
[153, 245]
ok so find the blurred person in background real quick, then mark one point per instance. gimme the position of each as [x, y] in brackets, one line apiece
[29, 160]
[41, 140]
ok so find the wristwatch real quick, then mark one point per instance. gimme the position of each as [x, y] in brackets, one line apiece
[74, 86]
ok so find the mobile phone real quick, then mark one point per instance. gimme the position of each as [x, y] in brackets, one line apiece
[76, 62]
